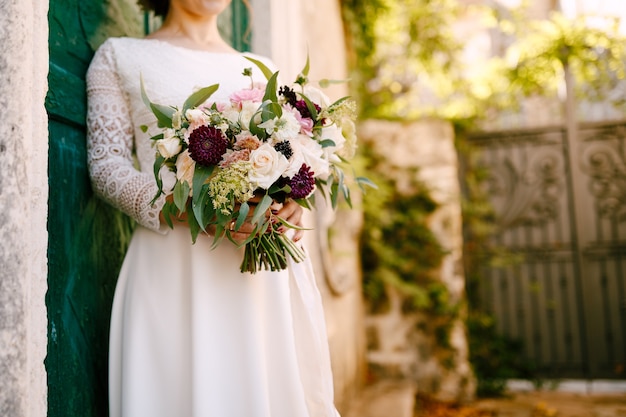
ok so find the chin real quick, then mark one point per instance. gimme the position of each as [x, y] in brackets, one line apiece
[213, 6]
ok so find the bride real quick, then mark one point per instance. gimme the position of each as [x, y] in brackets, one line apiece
[190, 335]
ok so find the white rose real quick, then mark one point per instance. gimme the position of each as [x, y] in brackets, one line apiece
[312, 154]
[267, 166]
[169, 146]
[196, 116]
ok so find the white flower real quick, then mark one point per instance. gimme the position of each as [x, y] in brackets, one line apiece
[169, 179]
[317, 96]
[241, 116]
[267, 166]
[284, 128]
[248, 109]
[185, 167]
[312, 154]
[333, 132]
[169, 146]
[348, 129]
[177, 120]
[196, 116]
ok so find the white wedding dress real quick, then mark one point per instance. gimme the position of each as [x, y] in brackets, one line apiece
[190, 335]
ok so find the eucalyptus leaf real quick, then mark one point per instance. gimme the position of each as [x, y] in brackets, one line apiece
[261, 208]
[305, 70]
[244, 209]
[327, 142]
[270, 89]
[194, 228]
[325, 82]
[158, 163]
[199, 97]
[163, 113]
[363, 181]
[310, 106]
[264, 69]
[181, 194]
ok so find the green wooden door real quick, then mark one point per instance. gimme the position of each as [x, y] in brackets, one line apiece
[87, 238]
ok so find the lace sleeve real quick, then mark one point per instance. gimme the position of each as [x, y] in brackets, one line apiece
[110, 144]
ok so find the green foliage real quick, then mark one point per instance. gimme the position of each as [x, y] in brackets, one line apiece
[495, 358]
[544, 47]
[404, 50]
[398, 248]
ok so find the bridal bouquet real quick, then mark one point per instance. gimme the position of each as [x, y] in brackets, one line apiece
[231, 160]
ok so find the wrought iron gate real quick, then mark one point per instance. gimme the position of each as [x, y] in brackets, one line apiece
[561, 204]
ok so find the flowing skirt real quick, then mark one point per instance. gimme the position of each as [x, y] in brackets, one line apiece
[191, 336]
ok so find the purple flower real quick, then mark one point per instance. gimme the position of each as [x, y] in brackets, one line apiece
[304, 110]
[207, 145]
[303, 183]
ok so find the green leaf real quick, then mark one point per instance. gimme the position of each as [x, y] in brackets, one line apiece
[264, 69]
[202, 206]
[341, 100]
[305, 70]
[163, 113]
[194, 228]
[270, 89]
[270, 110]
[334, 188]
[325, 82]
[363, 181]
[310, 106]
[199, 97]
[167, 213]
[261, 208]
[181, 194]
[327, 142]
[244, 209]
[158, 163]
[254, 127]
[143, 128]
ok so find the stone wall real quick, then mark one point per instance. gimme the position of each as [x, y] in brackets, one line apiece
[404, 345]
[286, 30]
[23, 199]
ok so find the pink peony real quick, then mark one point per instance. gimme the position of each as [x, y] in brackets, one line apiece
[253, 94]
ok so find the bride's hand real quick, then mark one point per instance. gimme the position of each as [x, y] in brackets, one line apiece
[292, 212]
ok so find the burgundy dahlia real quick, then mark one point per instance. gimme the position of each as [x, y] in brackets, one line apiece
[207, 145]
[302, 183]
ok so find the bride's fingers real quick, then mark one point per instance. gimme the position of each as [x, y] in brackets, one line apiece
[291, 212]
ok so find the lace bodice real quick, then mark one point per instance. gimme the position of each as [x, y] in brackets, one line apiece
[120, 155]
